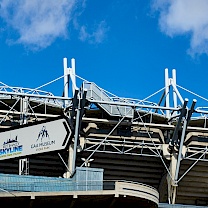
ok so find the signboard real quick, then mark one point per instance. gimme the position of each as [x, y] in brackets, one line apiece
[34, 139]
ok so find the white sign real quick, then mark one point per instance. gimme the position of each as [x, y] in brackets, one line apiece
[38, 138]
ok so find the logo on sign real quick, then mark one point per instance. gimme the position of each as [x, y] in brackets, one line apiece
[10, 147]
[43, 134]
[43, 141]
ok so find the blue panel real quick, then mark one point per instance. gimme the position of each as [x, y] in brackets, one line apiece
[84, 179]
[89, 179]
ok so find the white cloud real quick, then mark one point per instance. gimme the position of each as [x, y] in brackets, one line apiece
[182, 17]
[83, 35]
[37, 22]
[97, 36]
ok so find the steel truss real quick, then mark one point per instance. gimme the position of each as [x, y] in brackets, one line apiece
[24, 105]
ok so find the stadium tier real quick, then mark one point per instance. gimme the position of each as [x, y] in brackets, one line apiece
[144, 153]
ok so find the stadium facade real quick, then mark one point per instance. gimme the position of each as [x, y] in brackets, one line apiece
[90, 147]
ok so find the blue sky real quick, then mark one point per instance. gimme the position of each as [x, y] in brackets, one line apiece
[122, 46]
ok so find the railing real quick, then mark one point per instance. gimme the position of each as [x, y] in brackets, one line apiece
[12, 185]
[42, 184]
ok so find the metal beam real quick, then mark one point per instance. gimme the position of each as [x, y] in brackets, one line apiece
[80, 101]
[175, 134]
[186, 121]
[76, 134]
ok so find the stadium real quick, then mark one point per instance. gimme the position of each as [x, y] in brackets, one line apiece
[89, 147]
